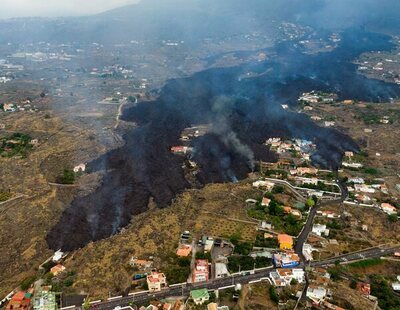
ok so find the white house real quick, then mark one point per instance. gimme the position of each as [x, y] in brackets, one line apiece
[264, 184]
[80, 168]
[316, 293]
[396, 286]
[283, 276]
[221, 271]
[388, 208]
[320, 230]
[356, 180]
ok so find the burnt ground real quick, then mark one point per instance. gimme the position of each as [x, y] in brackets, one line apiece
[242, 114]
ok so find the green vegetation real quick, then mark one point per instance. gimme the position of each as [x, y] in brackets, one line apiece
[177, 269]
[241, 248]
[366, 263]
[26, 283]
[68, 177]
[278, 189]
[393, 218]
[261, 242]
[369, 170]
[4, 196]
[310, 202]
[275, 214]
[334, 224]
[273, 294]
[203, 255]
[237, 262]
[17, 144]
[387, 299]
[335, 272]
[270, 173]
[322, 187]
[132, 99]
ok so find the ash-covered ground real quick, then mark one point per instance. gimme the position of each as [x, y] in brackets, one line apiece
[243, 113]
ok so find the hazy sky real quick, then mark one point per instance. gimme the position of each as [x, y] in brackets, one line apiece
[22, 8]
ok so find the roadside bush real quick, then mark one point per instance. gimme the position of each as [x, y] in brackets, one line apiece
[26, 283]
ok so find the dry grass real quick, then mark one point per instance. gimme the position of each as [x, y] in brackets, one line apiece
[103, 266]
[24, 224]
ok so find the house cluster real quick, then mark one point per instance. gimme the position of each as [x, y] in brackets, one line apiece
[282, 277]
[24, 105]
[194, 132]
[316, 97]
[113, 70]
[328, 214]
[177, 305]
[317, 290]
[41, 299]
[21, 300]
[182, 150]
[266, 185]
[368, 194]
[5, 79]
[300, 171]
[303, 147]
[285, 259]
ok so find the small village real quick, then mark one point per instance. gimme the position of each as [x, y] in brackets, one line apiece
[121, 188]
[290, 189]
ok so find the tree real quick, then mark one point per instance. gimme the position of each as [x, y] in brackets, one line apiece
[392, 217]
[273, 294]
[26, 283]
[310, 202]
[278, 189]
[68, 177]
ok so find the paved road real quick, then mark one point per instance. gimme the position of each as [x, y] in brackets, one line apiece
[184, 289]
[302, 238]
[360, 255]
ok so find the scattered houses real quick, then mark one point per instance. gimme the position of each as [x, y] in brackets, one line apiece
[328, 214]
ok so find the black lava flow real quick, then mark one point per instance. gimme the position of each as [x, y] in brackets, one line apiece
[243, 113]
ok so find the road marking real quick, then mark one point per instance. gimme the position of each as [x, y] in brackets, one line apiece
[116, 297]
